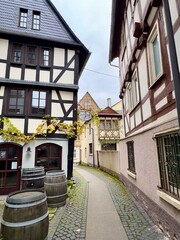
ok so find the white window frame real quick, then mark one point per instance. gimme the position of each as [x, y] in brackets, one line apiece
[133, 92]
[154, 76]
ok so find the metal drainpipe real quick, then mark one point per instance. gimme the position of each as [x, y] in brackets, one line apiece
[93, 147]
[173, 56]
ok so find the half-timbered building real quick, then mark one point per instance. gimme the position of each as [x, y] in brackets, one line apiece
[41, 60]
[150, 150]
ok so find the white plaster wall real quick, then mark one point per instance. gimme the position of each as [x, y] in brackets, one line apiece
[138, 117]
[30, 75]
[160, 104]
[18, 123]
[3, 48]
[59, 56]
[1, 103]
[67, 107]
[143, 5]
[177, 42]
[71, 54]
[2, 69]
[15, 73]
[32, 125]
[44, 76]
[2, 90]
[136, 14]
[54, 95]
[146, 164]
[56, 110]
[67, 95]
[143, 78]
[28, 159]
[146, 109]
[173, 10]
[67, 77]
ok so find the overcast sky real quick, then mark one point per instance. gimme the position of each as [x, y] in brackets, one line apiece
[90, 21]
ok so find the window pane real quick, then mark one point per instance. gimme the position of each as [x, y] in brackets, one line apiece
[38, 102]
[11, 178]
[108, 124]
[45, 57]
[16, 101]
[35, 94]
[31, 55]
[36, 20]
[42, 103]
[157, 60]
[17, 53]
[23, 18]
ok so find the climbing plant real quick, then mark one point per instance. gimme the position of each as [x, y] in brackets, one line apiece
[48, 125]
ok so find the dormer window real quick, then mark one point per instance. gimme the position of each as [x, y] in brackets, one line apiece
[36, 20]
[23, 18]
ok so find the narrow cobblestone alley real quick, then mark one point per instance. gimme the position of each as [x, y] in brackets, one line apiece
[70, 221]
[135, 221]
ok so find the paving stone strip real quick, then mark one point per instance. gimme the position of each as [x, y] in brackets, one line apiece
[136, 222]
[72, 223]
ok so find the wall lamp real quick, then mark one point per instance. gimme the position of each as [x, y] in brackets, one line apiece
[28, 150]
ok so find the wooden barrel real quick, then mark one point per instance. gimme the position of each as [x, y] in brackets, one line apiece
[55, 186]
[25, 216]
[32, 178]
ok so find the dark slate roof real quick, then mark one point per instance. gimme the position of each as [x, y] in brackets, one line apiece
[53, 27]
[50, 24]
[109, 112]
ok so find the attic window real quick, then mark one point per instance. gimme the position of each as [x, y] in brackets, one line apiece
[36, 20]
[23, 18]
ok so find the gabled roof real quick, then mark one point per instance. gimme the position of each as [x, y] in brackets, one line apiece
[52, 27]
[87, 97]
[108, 112]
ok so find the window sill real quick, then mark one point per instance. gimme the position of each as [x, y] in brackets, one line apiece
[135, 106]
[156, 80]
[174, 202]
[133, 175]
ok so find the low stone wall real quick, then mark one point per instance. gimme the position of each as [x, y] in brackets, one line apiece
[109, 161]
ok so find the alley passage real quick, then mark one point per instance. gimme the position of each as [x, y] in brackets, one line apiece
[134, 220]
[98, 204]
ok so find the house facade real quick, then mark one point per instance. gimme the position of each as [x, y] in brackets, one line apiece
[150, 148]
[41, 60]
[99, 143]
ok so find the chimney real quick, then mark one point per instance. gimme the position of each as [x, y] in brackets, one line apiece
[109, 102]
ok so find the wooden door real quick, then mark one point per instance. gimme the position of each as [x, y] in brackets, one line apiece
[49, 156]
[10, 168]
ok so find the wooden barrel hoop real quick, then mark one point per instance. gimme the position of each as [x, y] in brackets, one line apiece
[25, 216]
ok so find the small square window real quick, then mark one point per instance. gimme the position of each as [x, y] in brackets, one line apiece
[23, 18]
[36, 20]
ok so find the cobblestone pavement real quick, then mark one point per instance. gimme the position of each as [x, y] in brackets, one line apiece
[69, 222]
